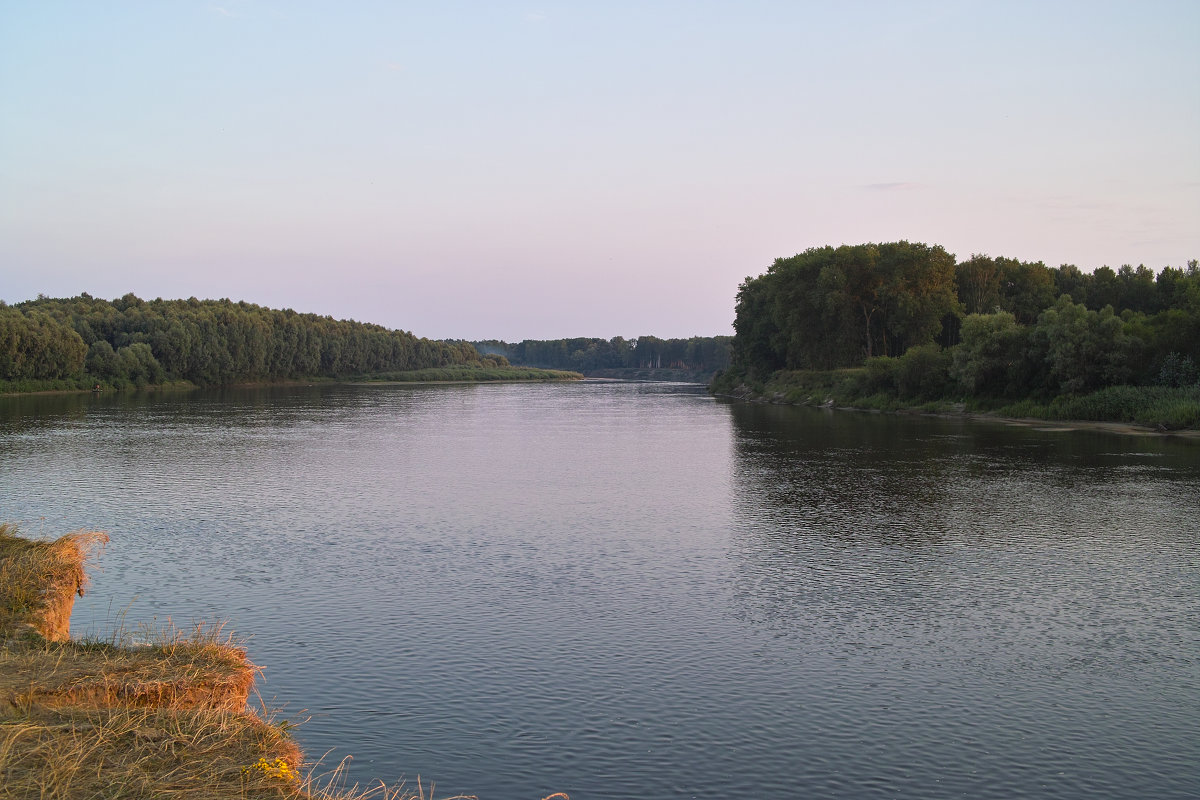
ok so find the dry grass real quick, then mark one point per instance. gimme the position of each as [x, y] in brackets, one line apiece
[154, 714]
[164, 752]
[143, 753]
[40, 579]
[204, 670]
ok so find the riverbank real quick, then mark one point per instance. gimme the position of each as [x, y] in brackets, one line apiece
[1128, 410]
[464, 374]
[75, 387]
[159, 714]
[457, 374]
[161, 717]
[664, 374]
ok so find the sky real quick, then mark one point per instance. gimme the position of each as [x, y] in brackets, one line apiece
[551, 169]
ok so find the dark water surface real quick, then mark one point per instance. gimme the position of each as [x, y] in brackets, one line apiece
[635, 591]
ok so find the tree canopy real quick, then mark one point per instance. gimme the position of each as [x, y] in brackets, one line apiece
[986, 326]
[208, 342]
[830, 307]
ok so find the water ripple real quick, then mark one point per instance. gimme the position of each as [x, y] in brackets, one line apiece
[621, 590]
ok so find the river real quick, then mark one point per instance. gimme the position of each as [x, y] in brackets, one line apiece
[624, 590]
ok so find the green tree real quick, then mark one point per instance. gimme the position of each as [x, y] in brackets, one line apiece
[1069, 279]
[923, 373]
[1027, 288]
[989, 359]
[1105, 289]
[978, 281]
[101, 361]
[137, 364]
[918, 293]
[1081, 349]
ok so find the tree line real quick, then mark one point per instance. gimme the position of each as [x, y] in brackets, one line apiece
[85, 340]
[928, 326]
[698, 353]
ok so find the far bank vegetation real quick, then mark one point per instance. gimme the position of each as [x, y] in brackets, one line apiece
[904, 324]
[83, 342]
[643, 356]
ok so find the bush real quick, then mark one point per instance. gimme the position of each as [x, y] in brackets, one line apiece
[990, 359]
[923, 373]
[880, 376]
[1178, 371]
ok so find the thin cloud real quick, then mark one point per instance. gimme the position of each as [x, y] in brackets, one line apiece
[224, 12]
[394, 66]
[1067, 204]
[532, 16]
[893, 186]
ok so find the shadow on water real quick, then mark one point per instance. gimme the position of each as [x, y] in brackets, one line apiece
[959, 542]
[1027, 584]
[894, 479]
[875, 478]
[251, 405]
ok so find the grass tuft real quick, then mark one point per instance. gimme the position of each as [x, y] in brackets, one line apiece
[40, 579]
[202, 670]
[1162, 407]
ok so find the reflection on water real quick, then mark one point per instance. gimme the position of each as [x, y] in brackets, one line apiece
[1005, 596]
[971, 532]
[621, 590]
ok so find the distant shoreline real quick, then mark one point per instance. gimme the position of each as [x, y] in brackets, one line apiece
[544, 376]
[459, 382]
[1034, 423]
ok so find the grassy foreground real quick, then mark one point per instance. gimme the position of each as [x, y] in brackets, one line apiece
[155, 714]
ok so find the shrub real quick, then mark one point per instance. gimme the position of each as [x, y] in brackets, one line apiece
[923, 373]
[879, 377]
[1178, 370]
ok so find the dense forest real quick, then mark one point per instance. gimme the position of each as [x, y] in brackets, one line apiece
[82, 341]
[926, 326]
[698, 354]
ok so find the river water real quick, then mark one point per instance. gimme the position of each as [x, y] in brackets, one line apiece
[622, 590]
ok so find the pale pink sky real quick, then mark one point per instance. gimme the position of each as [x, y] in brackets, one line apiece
[515, 170]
